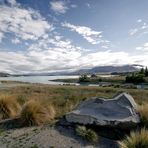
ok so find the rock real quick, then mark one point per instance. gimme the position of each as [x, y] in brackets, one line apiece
[119, 112]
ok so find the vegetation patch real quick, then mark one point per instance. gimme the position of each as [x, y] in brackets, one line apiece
[143, 110]
[65, 98]
[9, 107]
[88, 134]
[21, 99]
[137, 139]
[34, 146]
[33, 113]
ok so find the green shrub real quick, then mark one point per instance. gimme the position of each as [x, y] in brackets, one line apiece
[1, 130]
[34, 146]
[88, 134]
[84, 78]
[135, 78]
[137, 139]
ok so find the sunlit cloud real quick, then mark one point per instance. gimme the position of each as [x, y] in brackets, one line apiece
[93, 37]
[59, 7]
[143, 48]
[139, 30]
[26, 24]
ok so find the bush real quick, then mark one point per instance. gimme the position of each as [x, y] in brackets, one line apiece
[143, 110]
[84, 78]
[9, 107]
[33, 113]
[88, 134]
[135, 78]
[137, 139]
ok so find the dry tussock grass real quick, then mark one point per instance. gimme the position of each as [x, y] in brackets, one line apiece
[143, 110]
[9, 107]
[137, 139]
[33, 113]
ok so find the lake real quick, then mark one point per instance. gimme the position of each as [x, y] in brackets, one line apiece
[38, 79]
[44, 79]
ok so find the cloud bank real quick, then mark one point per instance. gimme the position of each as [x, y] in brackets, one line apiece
[44, 49]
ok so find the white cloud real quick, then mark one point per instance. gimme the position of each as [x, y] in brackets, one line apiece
[59, 7]
[10, 2]
[146, 45]
[138, 48]
[16, 41]
[93, 37]
[73, 6]
[140, 30]
[139, 21]
[25, 24]
[144, 26]
[55, 59]
[49, 51]
[105, 46]
[88, 5]
[1, 36]
[133, 31]
[143, 48]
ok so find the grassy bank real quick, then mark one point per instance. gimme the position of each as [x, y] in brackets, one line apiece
[65, 98]
[36, 104]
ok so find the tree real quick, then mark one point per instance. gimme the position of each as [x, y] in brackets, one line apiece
[135, 78]
[84, 78]
[146, 72]
[142, 71]
[93, 76]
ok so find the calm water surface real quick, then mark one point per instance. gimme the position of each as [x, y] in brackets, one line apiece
[38, 79]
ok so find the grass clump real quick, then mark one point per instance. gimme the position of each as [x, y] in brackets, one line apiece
[137, 139]
[9, 107]
[21, 99]
[1, 130]
[88, 134]
[143, 110]
[33, 113]
[34, 146]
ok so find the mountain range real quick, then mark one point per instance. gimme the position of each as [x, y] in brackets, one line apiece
[97, 69]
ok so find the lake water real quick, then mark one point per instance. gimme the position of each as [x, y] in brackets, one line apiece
[44, 79]
[38, 79]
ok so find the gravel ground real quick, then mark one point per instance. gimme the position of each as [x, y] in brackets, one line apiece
[48, 137]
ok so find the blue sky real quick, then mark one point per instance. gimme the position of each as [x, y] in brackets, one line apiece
[55, 35]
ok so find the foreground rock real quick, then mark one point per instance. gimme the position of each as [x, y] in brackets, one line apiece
[119, 112]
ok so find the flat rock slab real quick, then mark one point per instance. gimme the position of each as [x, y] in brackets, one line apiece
[120, 111]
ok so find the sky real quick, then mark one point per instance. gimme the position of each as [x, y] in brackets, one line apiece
[64, 35]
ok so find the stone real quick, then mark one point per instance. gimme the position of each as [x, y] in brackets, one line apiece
[120, 111]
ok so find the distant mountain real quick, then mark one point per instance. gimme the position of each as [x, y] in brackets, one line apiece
[3, 74]
[98, 69]
[108, 69]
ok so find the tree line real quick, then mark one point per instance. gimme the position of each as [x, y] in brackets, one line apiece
[138, 77]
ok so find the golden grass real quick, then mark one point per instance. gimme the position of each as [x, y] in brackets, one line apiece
[9, 107]
[143, 110]
[33, 113]
[137, 139]
[65, 98]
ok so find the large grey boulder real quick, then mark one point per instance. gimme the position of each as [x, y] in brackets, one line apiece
[120, 111]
